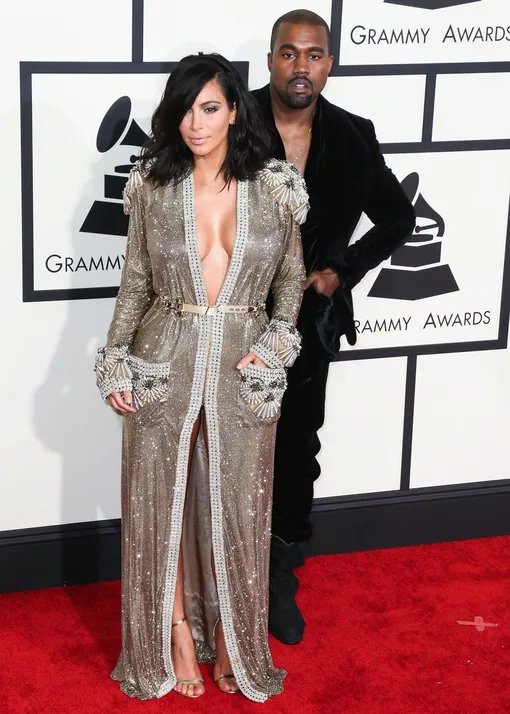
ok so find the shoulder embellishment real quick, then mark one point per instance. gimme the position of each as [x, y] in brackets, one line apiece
[134, 181]
[288, 187]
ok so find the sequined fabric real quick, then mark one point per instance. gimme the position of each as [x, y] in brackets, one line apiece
[178, 364]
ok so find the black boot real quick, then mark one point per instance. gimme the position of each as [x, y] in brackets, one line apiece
[286, 622]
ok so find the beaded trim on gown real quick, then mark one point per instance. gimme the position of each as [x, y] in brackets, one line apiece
[177, 363]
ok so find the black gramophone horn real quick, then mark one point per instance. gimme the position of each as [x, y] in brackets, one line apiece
[423, 209]
[135, 136]
[113, 125]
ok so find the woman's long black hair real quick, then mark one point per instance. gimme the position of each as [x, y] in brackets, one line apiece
[165, 155]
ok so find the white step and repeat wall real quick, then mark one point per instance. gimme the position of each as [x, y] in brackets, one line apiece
[431, 74]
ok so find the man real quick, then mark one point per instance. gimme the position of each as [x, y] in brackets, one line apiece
[338, 154]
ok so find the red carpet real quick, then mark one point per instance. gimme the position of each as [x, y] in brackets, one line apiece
[382, 638]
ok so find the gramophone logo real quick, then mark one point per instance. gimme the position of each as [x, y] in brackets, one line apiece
[107, 215]
[416, 271]
[430, 4]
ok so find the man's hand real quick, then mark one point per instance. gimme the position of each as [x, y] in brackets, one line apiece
[324, 281]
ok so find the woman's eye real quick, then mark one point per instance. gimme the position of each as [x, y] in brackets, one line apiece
[210, 110]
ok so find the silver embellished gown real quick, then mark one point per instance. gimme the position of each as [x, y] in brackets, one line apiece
[177, 363]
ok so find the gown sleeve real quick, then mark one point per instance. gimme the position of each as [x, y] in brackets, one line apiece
[133, 300]
[281, 342]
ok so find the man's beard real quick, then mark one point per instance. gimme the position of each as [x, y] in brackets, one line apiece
[297, 101]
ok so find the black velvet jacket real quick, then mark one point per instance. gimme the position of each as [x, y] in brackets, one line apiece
[346, 176]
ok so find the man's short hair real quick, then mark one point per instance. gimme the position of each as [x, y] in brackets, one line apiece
[300, 17]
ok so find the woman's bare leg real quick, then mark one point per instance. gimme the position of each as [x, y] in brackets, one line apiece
[222, 665]
[183, 650]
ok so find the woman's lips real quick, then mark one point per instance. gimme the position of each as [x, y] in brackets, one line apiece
[198, 140]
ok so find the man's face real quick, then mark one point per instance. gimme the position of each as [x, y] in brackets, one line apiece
[299, 64]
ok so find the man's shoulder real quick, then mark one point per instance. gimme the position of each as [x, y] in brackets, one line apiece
[343, 119]
[261, 96]
[260, 91]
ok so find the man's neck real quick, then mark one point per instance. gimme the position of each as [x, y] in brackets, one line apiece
[287, 116]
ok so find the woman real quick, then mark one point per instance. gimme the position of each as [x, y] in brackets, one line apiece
[199, 373]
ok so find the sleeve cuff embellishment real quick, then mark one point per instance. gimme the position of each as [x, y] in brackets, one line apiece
[283, 340]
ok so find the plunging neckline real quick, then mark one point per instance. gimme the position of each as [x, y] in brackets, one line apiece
[237, 246]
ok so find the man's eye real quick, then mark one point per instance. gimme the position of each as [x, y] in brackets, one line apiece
[315, 57]
[288, 55]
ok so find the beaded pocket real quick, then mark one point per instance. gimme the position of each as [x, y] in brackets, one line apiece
[150, 381]
[262, 390]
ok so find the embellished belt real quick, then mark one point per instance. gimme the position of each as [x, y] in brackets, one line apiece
[178, 307]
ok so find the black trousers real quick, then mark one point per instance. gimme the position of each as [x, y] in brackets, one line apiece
[296, 466]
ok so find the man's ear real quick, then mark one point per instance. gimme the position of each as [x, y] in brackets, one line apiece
[330, 62]
[270, 61]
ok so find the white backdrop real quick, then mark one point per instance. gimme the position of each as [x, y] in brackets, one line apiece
[60, 446]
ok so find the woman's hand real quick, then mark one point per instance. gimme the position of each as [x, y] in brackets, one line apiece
[250, 357]
[121, 402]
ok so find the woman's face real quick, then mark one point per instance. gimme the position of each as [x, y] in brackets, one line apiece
[204, 128]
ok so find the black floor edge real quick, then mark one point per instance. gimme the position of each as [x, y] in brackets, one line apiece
[82, 553]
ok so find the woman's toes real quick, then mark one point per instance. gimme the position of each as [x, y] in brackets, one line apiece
[228, 685]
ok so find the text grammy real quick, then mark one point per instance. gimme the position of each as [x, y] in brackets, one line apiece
[57, 263]
[361, 35]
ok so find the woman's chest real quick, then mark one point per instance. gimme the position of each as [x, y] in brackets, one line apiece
[249, 229]
[215, 222]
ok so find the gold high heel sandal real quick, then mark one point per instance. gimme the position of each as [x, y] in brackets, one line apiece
[187, 681]
[225, 677]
